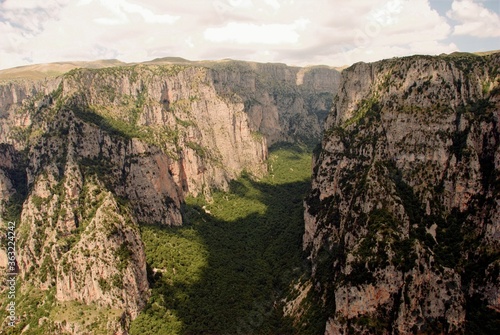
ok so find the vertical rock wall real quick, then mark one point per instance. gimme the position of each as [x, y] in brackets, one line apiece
[402, 222]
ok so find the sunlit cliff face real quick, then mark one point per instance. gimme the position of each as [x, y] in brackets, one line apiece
[405, 193]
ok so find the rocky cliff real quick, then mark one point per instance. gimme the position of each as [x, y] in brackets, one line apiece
[283, 103]
[204, 115]
[89, 156]
[403, 220]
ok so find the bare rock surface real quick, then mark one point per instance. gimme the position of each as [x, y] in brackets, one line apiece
[403, 212]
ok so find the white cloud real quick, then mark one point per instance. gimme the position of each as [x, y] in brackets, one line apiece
[292, 31]
[388, 29]
[122, 10]
[241, 3]
[29, 17]
[474, 19]
[387, 13]
[248, 33]
[273, 3]
[31, 4]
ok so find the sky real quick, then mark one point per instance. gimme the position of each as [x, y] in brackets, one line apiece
[295, 32]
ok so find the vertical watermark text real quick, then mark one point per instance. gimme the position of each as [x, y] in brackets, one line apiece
[11, 273]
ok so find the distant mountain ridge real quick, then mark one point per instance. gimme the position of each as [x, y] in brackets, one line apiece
[50, 70]
[41, 71]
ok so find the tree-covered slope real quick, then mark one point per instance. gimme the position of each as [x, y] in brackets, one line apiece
[227, 269]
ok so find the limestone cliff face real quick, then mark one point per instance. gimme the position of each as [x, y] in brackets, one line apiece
[12, 186]
[283, 103]
[178, 110]
[213, 119]
[78, 226]
[18, 101]
[402, 223]
[8, 162]
[87, 157]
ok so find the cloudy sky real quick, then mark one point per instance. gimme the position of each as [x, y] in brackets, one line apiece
[296, 32]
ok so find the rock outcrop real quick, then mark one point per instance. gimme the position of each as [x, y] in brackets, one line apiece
[402, 223]
[9, 162]
[89, 156]
[205, 116]
[283, 103]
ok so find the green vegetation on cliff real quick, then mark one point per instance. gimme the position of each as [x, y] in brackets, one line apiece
[227, 269]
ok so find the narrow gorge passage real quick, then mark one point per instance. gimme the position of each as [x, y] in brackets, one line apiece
[228, 268]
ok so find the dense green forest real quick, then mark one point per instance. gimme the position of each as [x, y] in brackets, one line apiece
[228, 268]
[225, 271]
